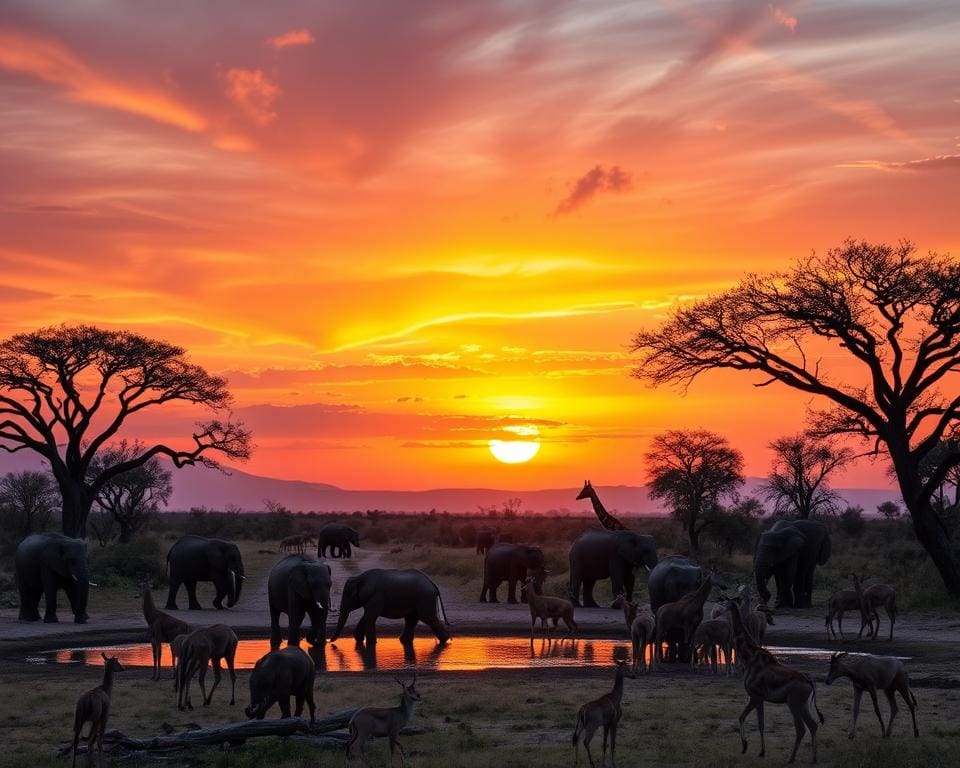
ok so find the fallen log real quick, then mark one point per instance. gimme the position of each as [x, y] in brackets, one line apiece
[321, 733]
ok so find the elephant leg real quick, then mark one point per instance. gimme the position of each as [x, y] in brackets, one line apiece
[629, 579]
[50, 595]
[370, 614]
[308, 695]
[294, 619]
[360, 630]
[409, 628]
[576, 580]
[512, 591]
[191, 587]
[617, 575]
[485, 589]
[284, 702]
[494, 586]
[276, 634]
[29, 601]
[588, 600]
[172, 592]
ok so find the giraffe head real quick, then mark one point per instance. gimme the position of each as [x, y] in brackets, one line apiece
[587, 491]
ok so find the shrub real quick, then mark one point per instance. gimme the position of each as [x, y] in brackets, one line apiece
[119, 563]
[851, 521]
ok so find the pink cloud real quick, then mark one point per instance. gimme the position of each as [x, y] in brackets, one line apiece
[784, 20]
[290, 39]
[253, 91]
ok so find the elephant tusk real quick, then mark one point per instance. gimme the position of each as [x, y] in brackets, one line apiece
[74, 577]
[647, 567]
[93, 584]
[242, 577]
[321, 606]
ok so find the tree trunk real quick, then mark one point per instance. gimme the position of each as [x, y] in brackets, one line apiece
[935, 538]
[76, 509]
[126, 530]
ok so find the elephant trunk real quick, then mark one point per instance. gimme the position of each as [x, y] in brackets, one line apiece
[344, 613]
[762, 577]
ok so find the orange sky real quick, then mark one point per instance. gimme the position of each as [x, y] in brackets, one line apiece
[398, 227]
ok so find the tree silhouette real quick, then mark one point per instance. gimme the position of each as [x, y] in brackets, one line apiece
[131, 498]
[797, 483]
[893, 314]
[692, 470]
[66, 391]
[31, 497]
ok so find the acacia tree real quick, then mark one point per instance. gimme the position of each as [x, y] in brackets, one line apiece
[797, 483]
[134, 497]
[32, 498]
[692, 470]
[891, 313]
[66, 391]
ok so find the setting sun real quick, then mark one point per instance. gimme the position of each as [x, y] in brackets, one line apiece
[517, 451]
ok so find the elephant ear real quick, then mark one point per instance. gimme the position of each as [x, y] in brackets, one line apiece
[55, 558]
[793, 543]
[823, 554]
[216, 555]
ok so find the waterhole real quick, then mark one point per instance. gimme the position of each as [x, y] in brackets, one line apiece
[462, 654]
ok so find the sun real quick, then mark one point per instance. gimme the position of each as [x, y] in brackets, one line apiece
[517, 451]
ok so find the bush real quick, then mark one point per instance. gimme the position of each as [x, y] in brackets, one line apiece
[117, 564]
[851, 521]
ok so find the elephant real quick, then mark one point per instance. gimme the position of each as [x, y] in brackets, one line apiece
[298, 586]
[276, 677]
[486, 538]
[790, 552]
[45, 563]
[395, 594]
[197, 558]
[672, 578]
[601, 554]
[339, 538]
[510, 563]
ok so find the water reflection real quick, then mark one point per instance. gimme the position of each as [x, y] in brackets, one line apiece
[461, 654]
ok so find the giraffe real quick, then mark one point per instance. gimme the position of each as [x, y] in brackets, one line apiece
[606, 519]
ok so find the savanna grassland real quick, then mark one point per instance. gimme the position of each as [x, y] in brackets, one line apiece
[509, 717]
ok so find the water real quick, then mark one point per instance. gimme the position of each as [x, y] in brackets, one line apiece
[462, 654]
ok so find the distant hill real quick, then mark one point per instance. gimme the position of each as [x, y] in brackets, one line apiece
[201, 487]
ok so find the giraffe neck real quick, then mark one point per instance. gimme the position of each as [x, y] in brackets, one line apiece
[606, 519]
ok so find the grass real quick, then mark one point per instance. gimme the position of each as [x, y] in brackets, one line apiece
[506, 719]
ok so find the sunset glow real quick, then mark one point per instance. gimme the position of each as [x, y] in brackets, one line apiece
[404, 241]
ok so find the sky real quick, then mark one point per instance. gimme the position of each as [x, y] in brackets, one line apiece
[400, 228]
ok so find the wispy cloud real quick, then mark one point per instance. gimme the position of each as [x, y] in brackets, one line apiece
[290, 39]
[595, 181]
[254, 92]
[783, 19]
[937, 163]
[51, 62]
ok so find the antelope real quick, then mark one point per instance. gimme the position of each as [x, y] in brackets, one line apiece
[605, 711]
[873, 597]
[684, 614]
[543, 608]
[868, 673]
[642, 625]
[94, 707]
[711, 633]
[845, 600]
[373, 722]
[767, 679]
[163, 628]
[200, 647]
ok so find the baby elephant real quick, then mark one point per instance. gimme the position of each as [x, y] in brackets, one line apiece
[868, 673]
[278, 676]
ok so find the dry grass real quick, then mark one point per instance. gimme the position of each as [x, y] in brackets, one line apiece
[504, 719]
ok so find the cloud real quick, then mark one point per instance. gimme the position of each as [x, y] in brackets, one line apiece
[51, 62]
[290, 39]
[790, 22]
[253, 91]
[937, 163]
[598, 179]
